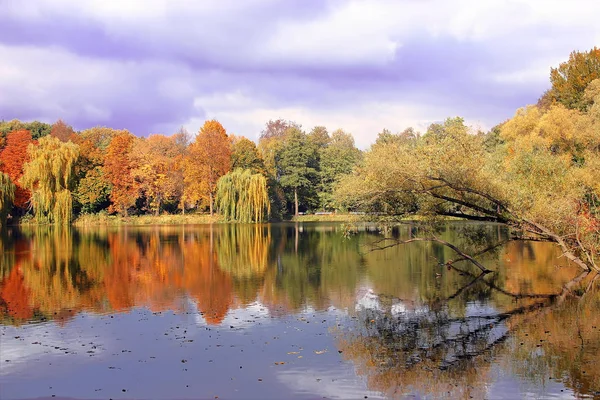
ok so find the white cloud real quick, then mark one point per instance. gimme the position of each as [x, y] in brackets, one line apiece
[243, 115]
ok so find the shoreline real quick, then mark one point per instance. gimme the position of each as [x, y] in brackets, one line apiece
[196, 219]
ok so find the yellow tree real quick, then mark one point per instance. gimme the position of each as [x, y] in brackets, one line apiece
[243, 196]
[208, 159]
[48, 177]
[7, 195]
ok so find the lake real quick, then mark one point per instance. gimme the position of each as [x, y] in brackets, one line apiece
[287, 310]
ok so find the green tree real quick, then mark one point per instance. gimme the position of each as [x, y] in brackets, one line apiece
[49, 178]
[36, 128]
[336, 160]
[296, 164]
[271, 140]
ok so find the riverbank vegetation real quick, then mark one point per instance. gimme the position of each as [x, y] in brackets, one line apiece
[537, 172]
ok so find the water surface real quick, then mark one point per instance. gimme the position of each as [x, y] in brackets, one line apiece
[291, 311]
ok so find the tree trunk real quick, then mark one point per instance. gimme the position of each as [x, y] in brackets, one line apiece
[211, 204]
[296, 238]
[296, 202]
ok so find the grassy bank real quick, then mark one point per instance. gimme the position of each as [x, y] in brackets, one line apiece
[168, 219]
[330, 218]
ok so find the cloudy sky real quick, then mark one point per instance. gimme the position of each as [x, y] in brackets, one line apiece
[151, 66]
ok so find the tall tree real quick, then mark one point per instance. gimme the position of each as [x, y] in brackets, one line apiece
[208, 159]
[118, 170]
[49, 178]
[337, 159]
[319, 137]
[12, 159]
[271, 140]
[296, 164]
[571, 78]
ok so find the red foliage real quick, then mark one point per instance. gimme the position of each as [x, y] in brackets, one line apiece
[118, 167]
[14, 296]
[62, 131]
[12, 159]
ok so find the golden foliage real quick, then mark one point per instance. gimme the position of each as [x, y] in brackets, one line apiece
[49, 178]
[209, 158]
[7, 195]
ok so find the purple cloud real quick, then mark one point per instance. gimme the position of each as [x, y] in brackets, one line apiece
[156, 65]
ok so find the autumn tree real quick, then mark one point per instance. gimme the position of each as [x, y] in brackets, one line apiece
[62, 131]
[296, 164]
[118, 169]
[208, 158]
[48, 175]
[245, 155]
[12, 159]
[156, 170]
[542, 179]
[7, 195]
[93, 189]
[242, 195]
[570, 79]
[319, 137]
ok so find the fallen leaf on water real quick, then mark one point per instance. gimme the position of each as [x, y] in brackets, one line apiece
[320, 351]
[292, 352]
[279, 362]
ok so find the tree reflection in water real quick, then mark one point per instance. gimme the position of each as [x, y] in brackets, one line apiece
[406, 347]
[420, 318]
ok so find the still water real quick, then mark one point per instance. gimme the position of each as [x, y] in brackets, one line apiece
[292, 311]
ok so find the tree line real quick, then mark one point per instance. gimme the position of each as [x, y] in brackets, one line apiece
[55, 173]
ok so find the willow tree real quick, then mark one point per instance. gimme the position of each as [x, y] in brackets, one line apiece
[243, 196]
[7, 195]
[48, 175]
